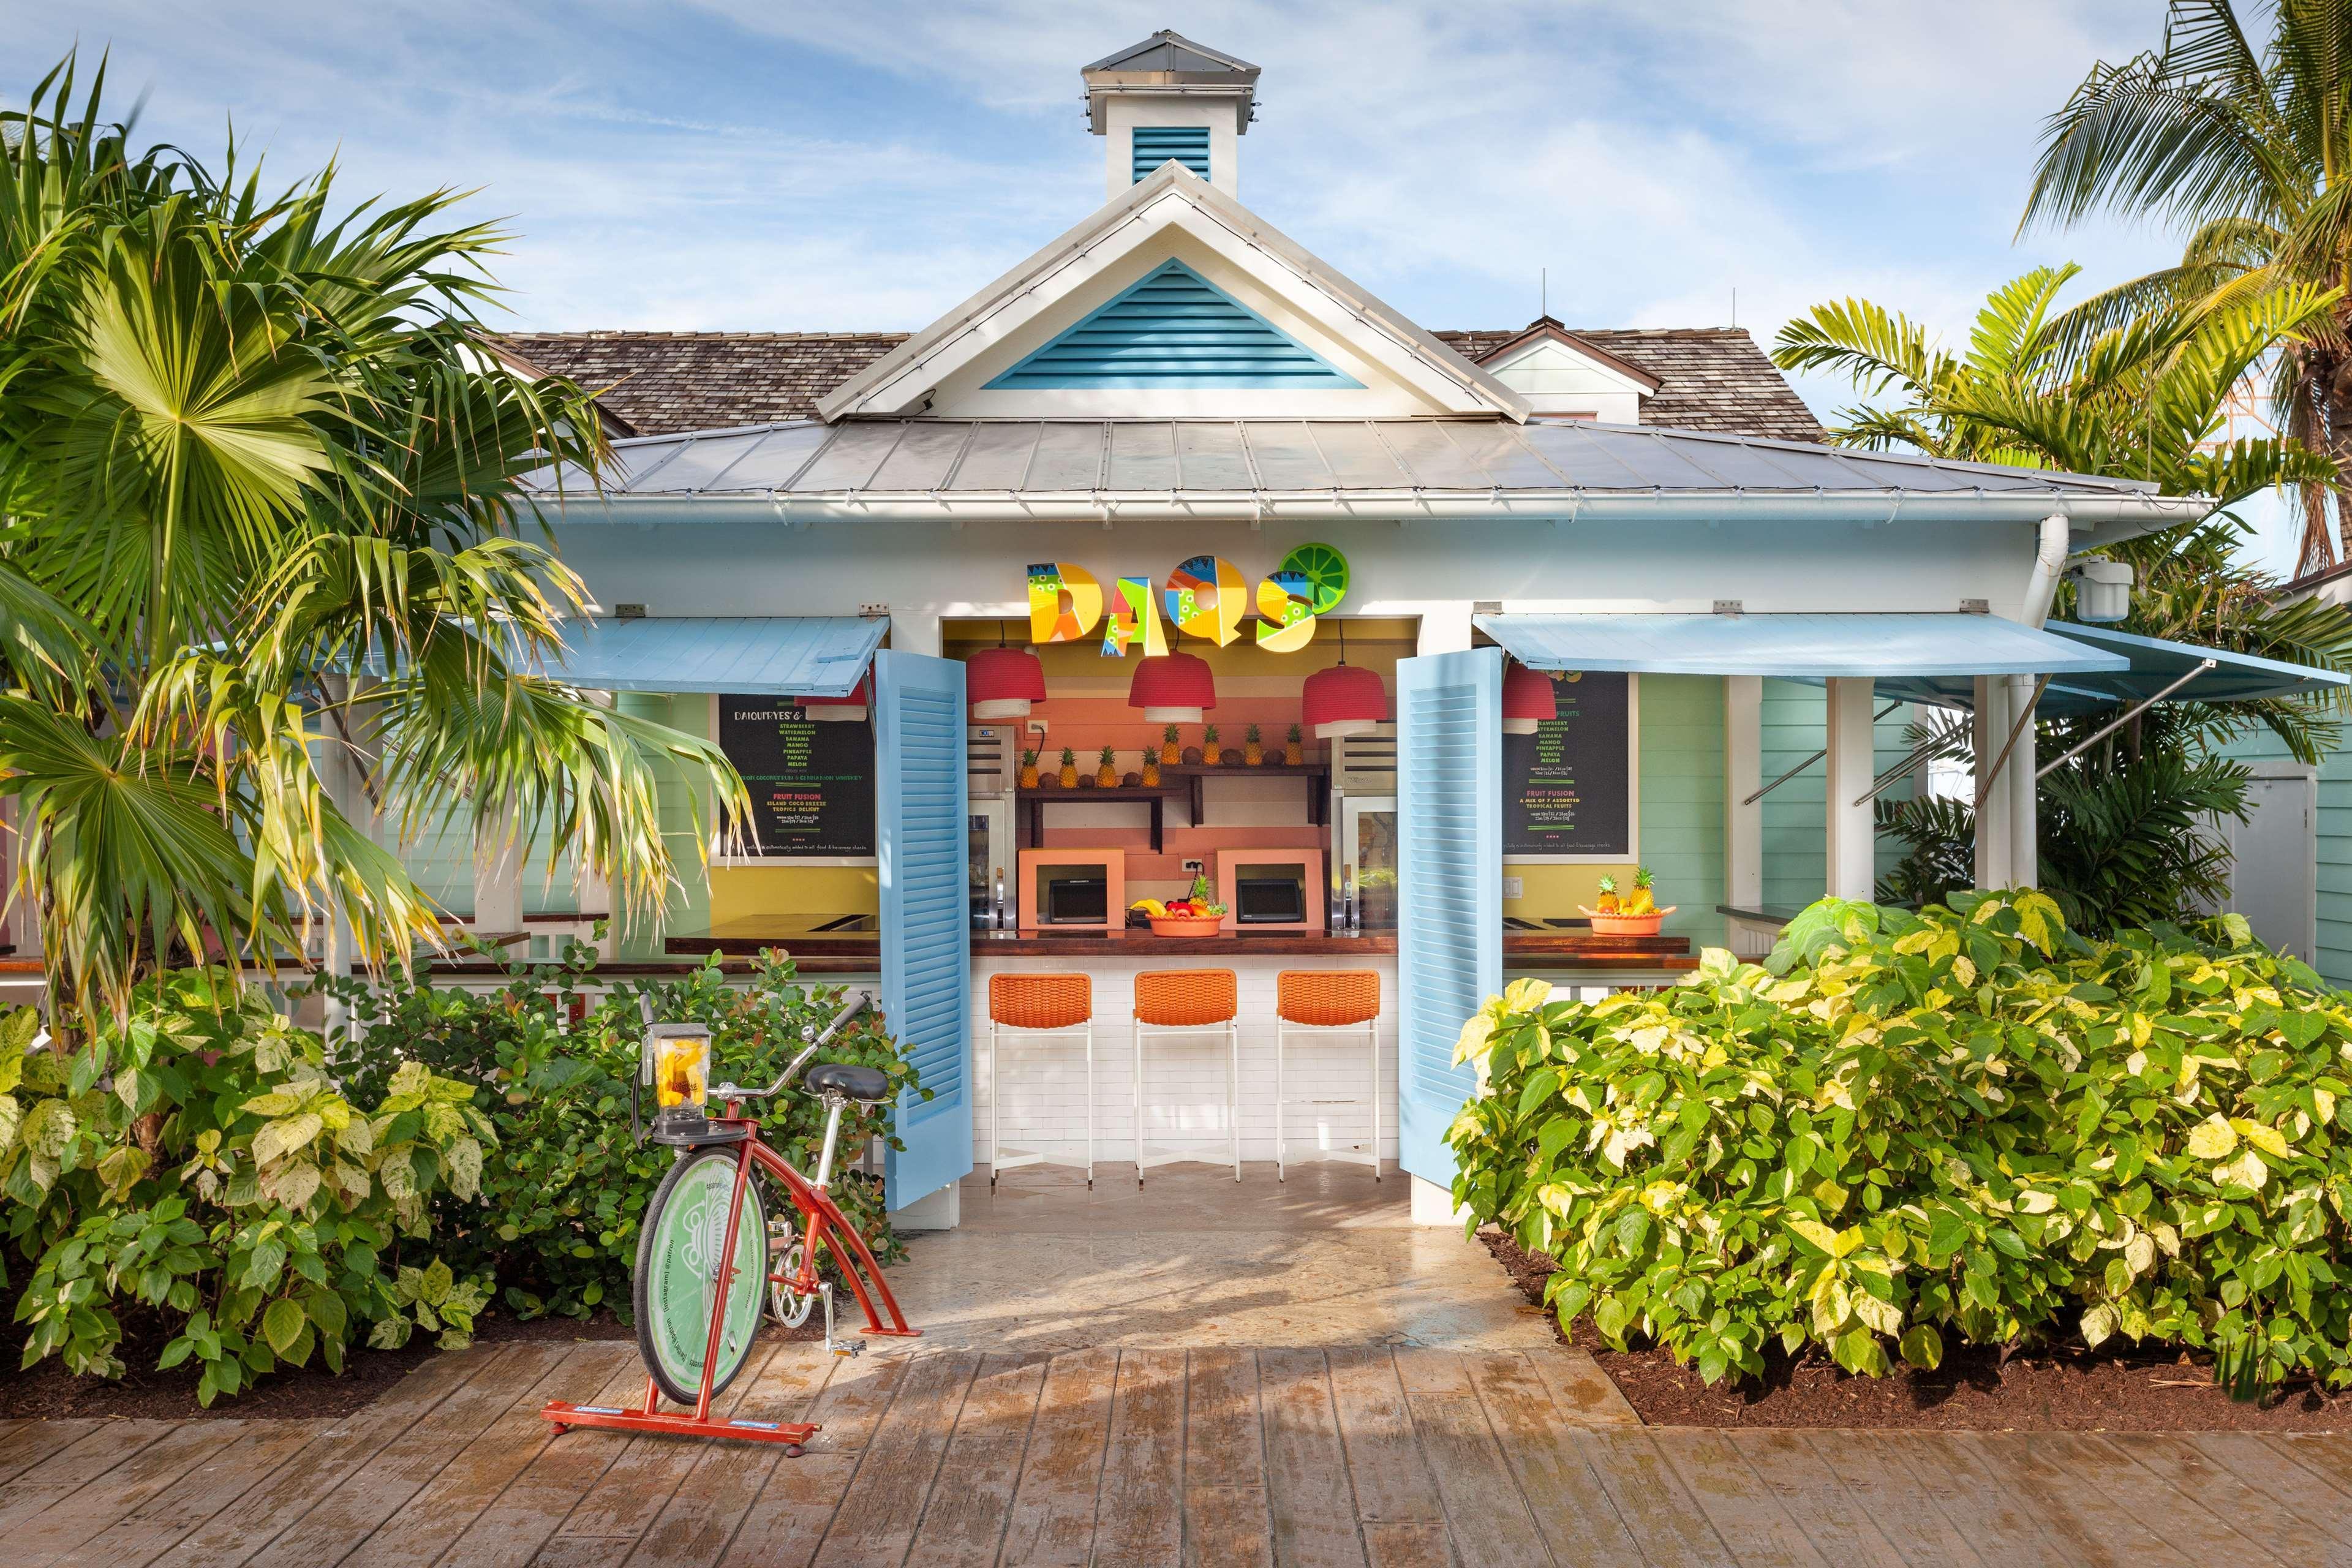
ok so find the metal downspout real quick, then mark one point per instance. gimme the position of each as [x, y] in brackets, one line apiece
[2041, 590]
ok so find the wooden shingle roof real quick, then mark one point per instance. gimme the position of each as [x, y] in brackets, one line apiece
[1710, 378]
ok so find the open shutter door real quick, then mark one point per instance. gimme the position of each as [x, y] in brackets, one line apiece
[1450, 887]
[919, 808]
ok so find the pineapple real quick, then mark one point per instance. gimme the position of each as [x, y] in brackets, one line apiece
[1106, 775]
[1606, 904]
[1292, 755]
[1642, 901]
[1171, 746]
[1152, 770]
[1029, 768]
[1069, 768]
[1209, 744]
[1252, 751]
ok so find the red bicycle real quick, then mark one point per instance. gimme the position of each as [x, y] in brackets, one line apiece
[697, 1308]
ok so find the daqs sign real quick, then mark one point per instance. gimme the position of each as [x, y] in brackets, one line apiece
[1205, 597]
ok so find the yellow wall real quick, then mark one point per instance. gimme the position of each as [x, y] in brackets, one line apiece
[748, 892]
[1554, 891]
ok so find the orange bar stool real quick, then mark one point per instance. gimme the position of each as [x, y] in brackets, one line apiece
[1188, 1001]
[1052, 1005]
[1325, 1001]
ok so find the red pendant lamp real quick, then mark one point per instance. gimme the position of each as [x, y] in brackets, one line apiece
[1001, 682]
[1173, 688]
[849, 710]
[1345, 699]
[1529, 699]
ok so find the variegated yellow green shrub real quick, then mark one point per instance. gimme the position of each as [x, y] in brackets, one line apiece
[1906, 1128]
[201, 1164]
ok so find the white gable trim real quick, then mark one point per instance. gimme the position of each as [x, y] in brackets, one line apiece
[1548, 347]
[1113, 243]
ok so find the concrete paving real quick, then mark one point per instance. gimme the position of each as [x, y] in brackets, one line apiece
[1194, 1258]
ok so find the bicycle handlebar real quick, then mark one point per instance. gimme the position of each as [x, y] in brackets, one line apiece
[815, 1042]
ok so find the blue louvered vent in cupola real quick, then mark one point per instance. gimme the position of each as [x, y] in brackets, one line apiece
[1155, 144]
[1174, 329]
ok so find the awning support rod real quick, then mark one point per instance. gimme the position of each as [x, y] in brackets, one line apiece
[1984, 785]
[2128, 716]
[1808, 761]
[1919, 753]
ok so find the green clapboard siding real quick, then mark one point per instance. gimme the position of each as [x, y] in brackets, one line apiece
[690, 903]
[439, 858]
[2333, 848]
[1794, 725]
[1681, 799]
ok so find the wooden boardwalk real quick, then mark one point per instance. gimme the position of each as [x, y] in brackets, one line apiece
[1216, 1455]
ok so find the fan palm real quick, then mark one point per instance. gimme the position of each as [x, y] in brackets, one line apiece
[260, 503]
[2245, 149]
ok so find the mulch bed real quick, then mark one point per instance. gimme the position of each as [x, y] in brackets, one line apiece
[47, 1390]
[1976, 1389]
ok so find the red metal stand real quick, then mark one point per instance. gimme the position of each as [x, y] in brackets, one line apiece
[821, 1220]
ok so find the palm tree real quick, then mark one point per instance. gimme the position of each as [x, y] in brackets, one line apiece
[261, 502]
[2246, 152]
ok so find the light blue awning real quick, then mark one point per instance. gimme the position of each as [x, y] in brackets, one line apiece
[1801, 647]
[780, 655]
[2155, 664]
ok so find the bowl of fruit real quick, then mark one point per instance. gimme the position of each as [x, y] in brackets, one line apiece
[1638, 913]
[1197, 914]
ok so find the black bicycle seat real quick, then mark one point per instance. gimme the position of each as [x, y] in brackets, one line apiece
[867, 1086]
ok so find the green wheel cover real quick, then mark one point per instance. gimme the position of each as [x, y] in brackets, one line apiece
[677, 1268]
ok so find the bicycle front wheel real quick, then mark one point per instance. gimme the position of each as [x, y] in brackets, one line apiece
[678, 1253]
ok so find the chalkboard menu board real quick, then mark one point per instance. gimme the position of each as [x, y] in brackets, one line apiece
[812, 783]
[1568, 788]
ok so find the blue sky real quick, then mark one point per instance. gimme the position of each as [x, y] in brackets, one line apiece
[740, 164]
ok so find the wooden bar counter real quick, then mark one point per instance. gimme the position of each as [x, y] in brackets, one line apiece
[856, 952]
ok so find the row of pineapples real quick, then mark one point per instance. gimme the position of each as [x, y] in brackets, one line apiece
[1172, 752]
[1641, 901]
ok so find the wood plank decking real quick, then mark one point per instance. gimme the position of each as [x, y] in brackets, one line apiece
[1212, 1456]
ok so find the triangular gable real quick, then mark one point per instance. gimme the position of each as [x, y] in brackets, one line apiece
[948, 368]
[1544, 329]
[1174, 329]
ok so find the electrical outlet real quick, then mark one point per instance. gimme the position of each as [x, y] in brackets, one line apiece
[1515, 887]
[1036, 726]
[1194, 867]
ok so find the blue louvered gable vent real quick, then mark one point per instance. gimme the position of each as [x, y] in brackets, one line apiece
[1174, 329]
[1155, 144]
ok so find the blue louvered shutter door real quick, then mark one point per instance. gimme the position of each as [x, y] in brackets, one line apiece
[919, 808]
[1449, 886]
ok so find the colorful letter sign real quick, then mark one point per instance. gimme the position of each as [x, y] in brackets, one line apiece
[1064, 602]
[1206, 600]
[1134, 617]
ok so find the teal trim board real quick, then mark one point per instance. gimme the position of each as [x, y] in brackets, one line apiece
[1174, 329]
[1156, 144]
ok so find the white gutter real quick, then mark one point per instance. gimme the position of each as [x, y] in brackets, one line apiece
[2131, 509]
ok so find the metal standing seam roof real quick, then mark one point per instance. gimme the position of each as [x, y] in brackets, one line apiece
[1798, 646]
[781, 656]
[952, 457]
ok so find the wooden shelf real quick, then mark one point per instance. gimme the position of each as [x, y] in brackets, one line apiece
[1318, 795]
[1178, 779]
[1033, 803]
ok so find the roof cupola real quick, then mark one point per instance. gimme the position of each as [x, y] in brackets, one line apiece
[1169, 98]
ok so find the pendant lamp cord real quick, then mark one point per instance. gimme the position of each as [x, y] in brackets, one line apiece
[1343, 642]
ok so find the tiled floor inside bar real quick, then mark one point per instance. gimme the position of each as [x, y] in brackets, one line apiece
[1196, 1258]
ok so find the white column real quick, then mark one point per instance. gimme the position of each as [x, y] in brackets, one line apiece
[1743, 772]
[1852, 842]
[498, 872]
[2024, 856]
[1989, 729]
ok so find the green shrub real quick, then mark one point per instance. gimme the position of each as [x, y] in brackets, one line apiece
[1902, 1128]
[560, 1209]
[200, 1164]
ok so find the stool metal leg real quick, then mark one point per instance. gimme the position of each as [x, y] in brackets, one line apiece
[1234, 1090]
[1280, 1175]
[1090, 1102]
[1136, 1028]
[995, 1143]
[1374, 1027]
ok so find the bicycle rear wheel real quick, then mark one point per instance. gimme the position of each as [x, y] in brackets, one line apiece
[678, 1273]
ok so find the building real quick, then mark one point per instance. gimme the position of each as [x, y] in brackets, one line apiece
[1550, 603]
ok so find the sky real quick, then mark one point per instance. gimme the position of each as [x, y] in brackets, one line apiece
[864, 164]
